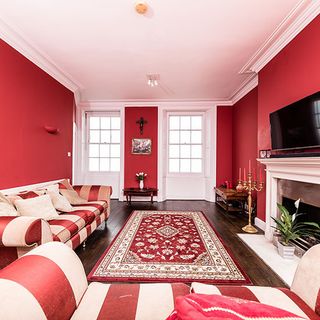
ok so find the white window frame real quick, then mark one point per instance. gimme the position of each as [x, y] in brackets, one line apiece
[89, 114]
[186, 174]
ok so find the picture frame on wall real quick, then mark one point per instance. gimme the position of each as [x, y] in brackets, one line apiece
[141, 146]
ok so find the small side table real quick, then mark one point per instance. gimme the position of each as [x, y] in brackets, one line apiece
[225, 197]
[137, 192]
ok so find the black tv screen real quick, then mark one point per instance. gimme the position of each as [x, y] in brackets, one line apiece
[297, 125]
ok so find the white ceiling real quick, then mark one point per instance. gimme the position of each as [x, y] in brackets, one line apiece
[198, 47]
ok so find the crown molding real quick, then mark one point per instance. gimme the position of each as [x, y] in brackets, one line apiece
[245, 88]
[200, 103]
[20, 43]
[299, 17]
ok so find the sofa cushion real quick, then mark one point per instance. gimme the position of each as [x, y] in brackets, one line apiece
[277, 297]
[65, 188]
[7, 209]
[40, 207]
[95, 206]
[67, 225]
[129, 301]
[25, 195]
[206, 307]
[60, 202]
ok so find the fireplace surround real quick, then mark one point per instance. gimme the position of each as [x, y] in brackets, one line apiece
[301, 169]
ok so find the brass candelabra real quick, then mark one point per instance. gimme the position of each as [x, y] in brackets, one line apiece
[250, 185]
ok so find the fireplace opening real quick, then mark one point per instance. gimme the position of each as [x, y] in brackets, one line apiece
[311, 214]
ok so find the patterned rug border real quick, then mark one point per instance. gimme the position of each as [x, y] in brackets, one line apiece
[92, 278]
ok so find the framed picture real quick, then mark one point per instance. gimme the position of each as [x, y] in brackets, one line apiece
[141, 146]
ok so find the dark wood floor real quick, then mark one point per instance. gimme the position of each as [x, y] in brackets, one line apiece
[227, 225]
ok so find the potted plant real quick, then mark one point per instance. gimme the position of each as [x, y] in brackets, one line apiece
[289, 228]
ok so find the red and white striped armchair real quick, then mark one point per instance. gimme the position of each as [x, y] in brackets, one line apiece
[20, 234]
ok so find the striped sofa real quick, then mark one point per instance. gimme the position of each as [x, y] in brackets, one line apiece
[20, 234]
[49, 282]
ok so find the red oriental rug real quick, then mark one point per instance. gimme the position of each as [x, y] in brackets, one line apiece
[168, 246]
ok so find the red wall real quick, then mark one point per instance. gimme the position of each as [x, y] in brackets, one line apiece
[136, 163]
[244, 138]
[30, 99]
[224, 144]
[293, 74]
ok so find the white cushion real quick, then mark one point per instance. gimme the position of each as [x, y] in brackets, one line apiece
[53, 188]
[41, 207]
[4, 199]
[7, 209]
[60, 202]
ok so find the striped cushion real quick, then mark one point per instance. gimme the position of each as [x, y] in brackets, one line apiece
[95, 207]
[129, 301]
[94, 192]
[67, 225]
[46, 283]
[276, 297]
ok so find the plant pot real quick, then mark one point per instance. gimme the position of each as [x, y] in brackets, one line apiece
[275, 239]
[141, 185]
[286, 252]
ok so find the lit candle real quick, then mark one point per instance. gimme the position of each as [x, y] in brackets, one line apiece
[244, 174]
[250, 166]
[239, 174]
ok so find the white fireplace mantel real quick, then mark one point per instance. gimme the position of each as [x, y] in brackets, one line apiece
[303, 169]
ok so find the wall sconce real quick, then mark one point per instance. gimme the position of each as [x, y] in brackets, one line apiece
[51, 130]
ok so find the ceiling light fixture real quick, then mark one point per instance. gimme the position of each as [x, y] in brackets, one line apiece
[141, 7]
[153, 80]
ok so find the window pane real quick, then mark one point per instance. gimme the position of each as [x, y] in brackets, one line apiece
[173, 122]
[115, 136]
[104, 150]
[105, 122]
[185, 122]
[196, 151]
[196, 122]
[93, 164]
[115, 164]
[184, 136]
[94, 150]
[94, 123]
[185, 151]
[196, 165]
[115, 151]
[174, 151]
[115, 123]
[105, 136]
[174, 165]
[185, 165]
[104, 164]
[174, 137]
[94, 136]
[196, 137]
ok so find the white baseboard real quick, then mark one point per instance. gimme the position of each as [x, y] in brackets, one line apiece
[260, 223]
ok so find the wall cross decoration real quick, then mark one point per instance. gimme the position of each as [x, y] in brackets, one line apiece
[141, 122]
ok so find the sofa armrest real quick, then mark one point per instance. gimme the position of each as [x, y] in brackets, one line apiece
[95, 193]
[23, 231]
[46, 283]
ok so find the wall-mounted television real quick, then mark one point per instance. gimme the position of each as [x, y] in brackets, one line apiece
[297, 125]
